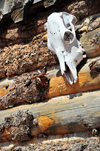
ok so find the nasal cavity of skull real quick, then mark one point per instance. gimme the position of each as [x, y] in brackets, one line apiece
[67, 68]
[68, 26]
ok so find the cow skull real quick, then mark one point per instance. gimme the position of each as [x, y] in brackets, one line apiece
[62, 40]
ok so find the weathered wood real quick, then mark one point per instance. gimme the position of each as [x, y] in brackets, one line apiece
[88, 23]
[22, 48]
[18, 59]
[74, 7]
[57, 116]
[95, 66]
[87, 80]
[24, 90]
[91, 43]
[7, 7]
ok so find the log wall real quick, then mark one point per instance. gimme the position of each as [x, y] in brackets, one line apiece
[23, 50]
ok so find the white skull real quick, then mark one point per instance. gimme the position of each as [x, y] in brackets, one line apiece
[62, 40]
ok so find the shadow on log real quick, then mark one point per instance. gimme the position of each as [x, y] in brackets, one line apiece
[23, 90]
[86, 81]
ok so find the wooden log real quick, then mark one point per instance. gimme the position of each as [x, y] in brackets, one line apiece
[57, 116]
[87, 80]
[18, 59]
[95, 66]
[22, 90]
[22, 49]
[91, 43]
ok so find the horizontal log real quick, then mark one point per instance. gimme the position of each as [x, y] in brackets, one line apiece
[23, 90]
[22, 49]
[87, 80]
[18, 59]
[91, 43]
[56, 116]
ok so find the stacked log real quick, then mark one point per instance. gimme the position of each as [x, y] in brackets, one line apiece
[29, 103]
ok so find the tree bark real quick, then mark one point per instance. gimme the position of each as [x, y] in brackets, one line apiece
[23, 90]
[57, 116]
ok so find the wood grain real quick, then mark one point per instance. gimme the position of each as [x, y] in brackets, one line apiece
[87, 80]
[25, 91]
[92, 49]
[61, 115]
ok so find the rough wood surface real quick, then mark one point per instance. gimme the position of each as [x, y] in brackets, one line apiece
[56, 116]
[88, 7]
[17, 59]
[87, 80]
[22, 48]
[91, 43]
[95, 66]
[7, 7]
[23, 90]
[71, 143]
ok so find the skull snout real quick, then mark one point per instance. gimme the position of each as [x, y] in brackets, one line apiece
[68, 36]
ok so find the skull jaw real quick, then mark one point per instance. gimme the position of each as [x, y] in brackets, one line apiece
[71, 75]
[71, 61]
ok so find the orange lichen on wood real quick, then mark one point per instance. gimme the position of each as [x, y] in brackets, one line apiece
[98, 47]
[6, 134]
[3, 91]
[44, 123]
